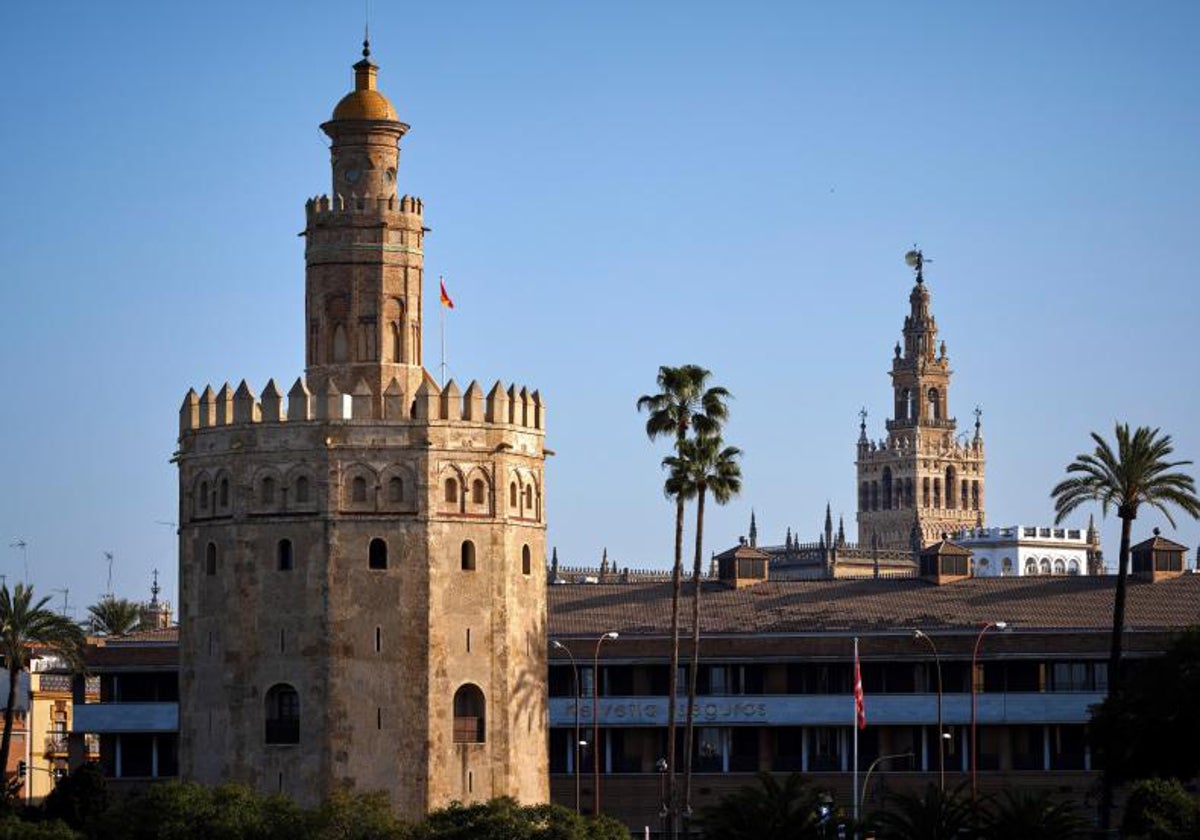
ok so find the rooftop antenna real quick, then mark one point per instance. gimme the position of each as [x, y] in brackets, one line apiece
[108, 556]
[24, 546]
[66, 593]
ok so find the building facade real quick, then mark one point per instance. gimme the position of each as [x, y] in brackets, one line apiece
[922, 480]
[362, 586]
[1029, 551]
[775, 679]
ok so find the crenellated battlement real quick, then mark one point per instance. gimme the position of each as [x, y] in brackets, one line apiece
[323, 208]
[513, 407]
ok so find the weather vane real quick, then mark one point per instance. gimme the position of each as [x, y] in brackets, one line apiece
[862, 416]
[915, 259]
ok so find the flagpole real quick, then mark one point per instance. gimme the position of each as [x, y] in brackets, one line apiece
[442, 325]
[854, 726]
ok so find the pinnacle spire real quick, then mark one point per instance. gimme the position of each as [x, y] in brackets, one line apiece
[753, 530]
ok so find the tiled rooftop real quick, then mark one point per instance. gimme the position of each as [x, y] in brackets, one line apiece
[1036, 603]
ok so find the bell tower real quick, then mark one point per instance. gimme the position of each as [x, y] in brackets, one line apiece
[922, 480]
[364, 254]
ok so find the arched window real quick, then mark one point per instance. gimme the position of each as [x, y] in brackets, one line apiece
[887, 488]
[396, 489]
[1073, 567]
[951, 483]
[358, 489]
[864, 496]
[529, 499]
[451, 491]
[974, 495]
[925, 492]
[266, 491]
[1006, 566]
[512, 495]
[937, 493]
[341, 347]
[965, 493]
[1060, 567]
[283, 555]
[210, 559]
[302, 490]
[935, 404]
[202, 502]
[283, 715]
[907, 399]
[478, 492]
[1031, 566]
[223, 493]
[468, 556]
[526, 560]
[394, 333]
[469, 715]
[377, 554]
[1044, 566]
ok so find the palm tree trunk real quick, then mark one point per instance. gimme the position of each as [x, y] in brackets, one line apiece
[6, 740]
[1114, 657]
[673, 676]
[693, 673]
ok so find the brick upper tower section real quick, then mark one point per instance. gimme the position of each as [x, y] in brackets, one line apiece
[364, 254]
[922, 480]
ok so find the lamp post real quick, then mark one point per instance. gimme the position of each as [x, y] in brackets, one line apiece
[611, 634]
[557, 645]
[999, 625]
[862, 804]
[918, 634]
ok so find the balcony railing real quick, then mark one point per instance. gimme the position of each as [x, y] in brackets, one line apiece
[468, 730]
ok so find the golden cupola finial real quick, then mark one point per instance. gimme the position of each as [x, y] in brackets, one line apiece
[365, 102]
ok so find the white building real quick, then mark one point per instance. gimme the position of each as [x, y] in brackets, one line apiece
[1023, 551]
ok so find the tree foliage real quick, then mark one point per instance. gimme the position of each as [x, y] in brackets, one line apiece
[1149, 727]
[933, 815]
[24, 625]
[112, 616]
[1160, 809]
[769, 810]
[1028, 815]
[79, 799]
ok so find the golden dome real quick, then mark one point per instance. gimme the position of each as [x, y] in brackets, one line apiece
[365, 102]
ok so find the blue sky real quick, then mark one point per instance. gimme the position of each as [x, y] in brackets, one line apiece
[611, 187]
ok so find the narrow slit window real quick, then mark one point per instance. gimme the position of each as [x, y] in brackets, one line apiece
[377, 554]
[468, 556]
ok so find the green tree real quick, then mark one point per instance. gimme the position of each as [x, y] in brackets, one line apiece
[704, 465]
[1029, 815]
[505, 819]
[1160, 809]
[684, 404]
[935, 815]
[23, 625]
[186, 810]
[80, 799]
[1138, 472]
[13, 828]
[768, 810]
[1149, 728]
[112, 616]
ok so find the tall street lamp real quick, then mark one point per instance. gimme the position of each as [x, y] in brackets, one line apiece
[611, 634]
[557, 645]
[862, 805]
[999, 625]
[918, 634]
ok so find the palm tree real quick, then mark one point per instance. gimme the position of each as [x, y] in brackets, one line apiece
[938, 815]
[113, 616]
[23, 625]
[1137, 473]
[768, 811]
[683, 404]
[1027, 815]
[704, 465]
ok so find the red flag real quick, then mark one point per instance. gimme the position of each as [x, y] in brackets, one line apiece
[446, 302]
[860, 707]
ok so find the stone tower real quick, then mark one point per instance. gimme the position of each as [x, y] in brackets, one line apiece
[921, 481]
[362, 562]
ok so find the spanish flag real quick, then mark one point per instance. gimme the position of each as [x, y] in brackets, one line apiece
[446, 302]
